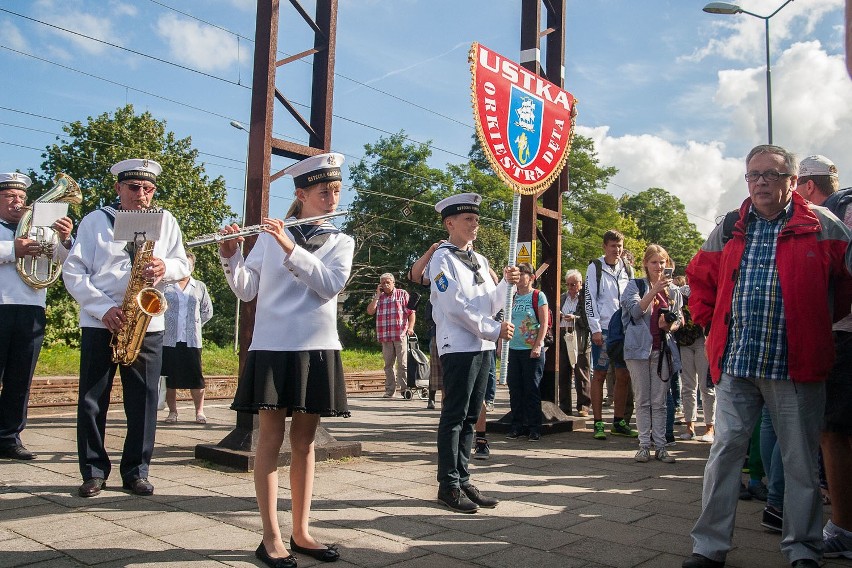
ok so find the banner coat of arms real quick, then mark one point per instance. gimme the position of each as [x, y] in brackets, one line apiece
[524, 122]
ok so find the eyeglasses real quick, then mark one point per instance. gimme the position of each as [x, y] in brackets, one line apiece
[572, 284]
[135, 187]
[768, 175]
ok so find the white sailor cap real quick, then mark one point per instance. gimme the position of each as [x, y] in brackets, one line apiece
[15, 180]
[817, 165]
[459, 203]
[135, 168]
[316, 169]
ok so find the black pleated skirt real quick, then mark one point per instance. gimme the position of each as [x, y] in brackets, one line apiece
[182, 367]
[300, 381]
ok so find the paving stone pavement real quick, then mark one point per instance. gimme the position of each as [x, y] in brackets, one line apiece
[567, 501]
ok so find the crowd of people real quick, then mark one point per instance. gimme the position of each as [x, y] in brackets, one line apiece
[757, 334]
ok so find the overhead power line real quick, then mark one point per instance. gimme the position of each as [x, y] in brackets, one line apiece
[127, 49]
[213, 113]
[304, 61]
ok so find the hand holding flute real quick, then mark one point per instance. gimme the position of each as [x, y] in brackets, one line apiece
[228, 246]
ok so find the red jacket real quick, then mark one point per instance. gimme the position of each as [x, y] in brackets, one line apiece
[810, 253]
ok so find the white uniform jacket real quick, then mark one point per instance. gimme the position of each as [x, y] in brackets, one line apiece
[13, 290]
[463, 310]
[97, 270]
[296, 293]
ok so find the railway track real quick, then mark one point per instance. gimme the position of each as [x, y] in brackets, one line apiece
[56, 392]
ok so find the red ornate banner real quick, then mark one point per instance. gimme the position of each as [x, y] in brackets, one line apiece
[523, 121]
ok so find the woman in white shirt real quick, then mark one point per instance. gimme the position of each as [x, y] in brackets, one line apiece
[189, 309]
[293, 365]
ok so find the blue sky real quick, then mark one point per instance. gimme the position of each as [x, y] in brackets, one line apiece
[672, 96]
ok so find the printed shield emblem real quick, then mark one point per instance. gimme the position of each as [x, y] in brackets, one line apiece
[524, 125]
[441, 282]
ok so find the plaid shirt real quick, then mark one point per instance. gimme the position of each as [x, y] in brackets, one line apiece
[757, 335]
[392, 315]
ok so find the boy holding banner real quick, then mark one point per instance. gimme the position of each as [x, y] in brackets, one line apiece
[464, 297]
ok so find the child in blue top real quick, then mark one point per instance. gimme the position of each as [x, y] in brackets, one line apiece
[526, 357]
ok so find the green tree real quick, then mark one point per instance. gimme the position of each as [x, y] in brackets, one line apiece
[392, 218]
[589, 211]
[86, 153]
[661, 218]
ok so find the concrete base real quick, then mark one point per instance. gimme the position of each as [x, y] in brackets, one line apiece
[553, 420]
[236, 451]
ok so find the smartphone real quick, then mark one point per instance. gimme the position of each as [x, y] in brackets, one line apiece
[668, 272]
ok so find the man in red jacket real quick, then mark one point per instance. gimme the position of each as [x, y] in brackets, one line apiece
[764, 289]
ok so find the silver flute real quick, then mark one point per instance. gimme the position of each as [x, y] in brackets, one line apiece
[212, 238]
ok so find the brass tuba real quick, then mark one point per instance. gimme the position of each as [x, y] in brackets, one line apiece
[40, 271]
[141, 302]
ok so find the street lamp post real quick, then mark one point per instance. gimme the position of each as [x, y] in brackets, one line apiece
[727, 8]
[239, 126]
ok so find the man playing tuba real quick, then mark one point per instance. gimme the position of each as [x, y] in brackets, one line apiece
[97, 274]
[21, 314]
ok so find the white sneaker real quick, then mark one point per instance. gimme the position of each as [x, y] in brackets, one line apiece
[709, 437]
[643, 455]
[829, 530]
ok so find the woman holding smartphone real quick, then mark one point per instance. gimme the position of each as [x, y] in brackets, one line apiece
[650, 311]
[293, 367]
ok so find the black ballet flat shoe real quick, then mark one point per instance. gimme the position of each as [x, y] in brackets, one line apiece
[327, 554]
[263, 556]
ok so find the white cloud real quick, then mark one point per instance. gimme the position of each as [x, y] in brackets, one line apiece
[13, 37]
[69, 17]
[124, 10]
[203, 47]
[812, 113]
[697, 173]
[811, 102]
[744, 37]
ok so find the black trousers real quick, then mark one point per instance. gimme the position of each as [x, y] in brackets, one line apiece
[140, 385]
[465, 379]
[576, 376]
[21, 336]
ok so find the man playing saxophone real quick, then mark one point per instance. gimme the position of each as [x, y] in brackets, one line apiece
[97, 274]
[21, 314]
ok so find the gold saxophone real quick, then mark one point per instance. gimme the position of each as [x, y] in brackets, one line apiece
[141, 302]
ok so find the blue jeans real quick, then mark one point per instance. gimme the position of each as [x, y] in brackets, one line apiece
[674, 388]
[524, 378]
[797, 412]
[770, 455]
[491, 387]
[465, 376]
[670, 414]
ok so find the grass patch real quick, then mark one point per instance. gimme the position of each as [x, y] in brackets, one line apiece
[62, 360]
